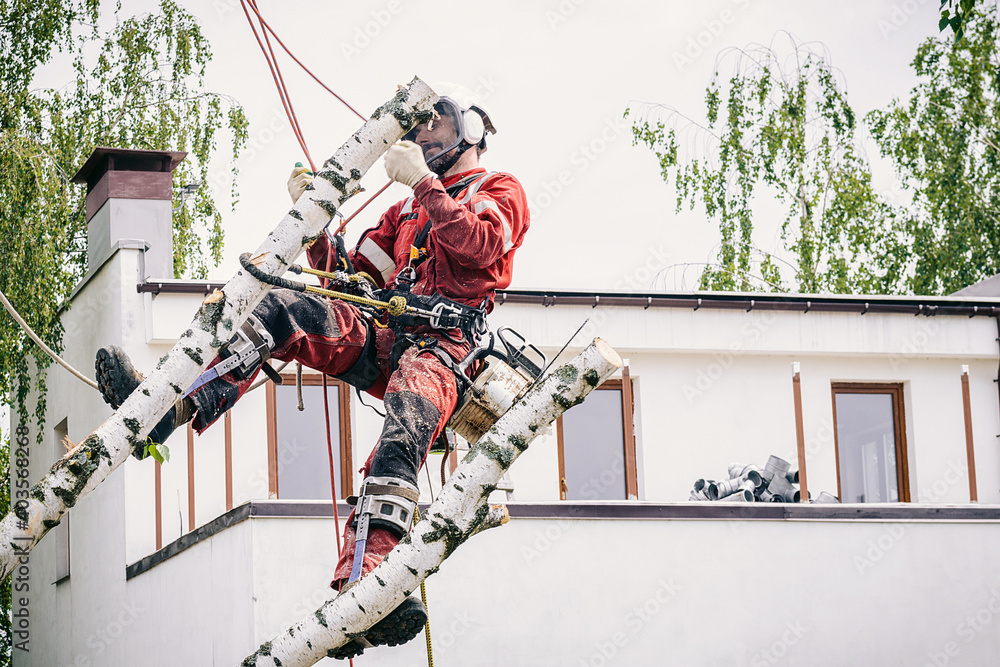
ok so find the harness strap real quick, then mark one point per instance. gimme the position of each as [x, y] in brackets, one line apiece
[418, 253]
[386, 490]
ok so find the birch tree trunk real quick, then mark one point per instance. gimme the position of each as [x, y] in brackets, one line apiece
[221, 314]
[461, 510]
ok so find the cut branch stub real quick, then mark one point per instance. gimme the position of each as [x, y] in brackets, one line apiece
[460, 511]
[90, 462]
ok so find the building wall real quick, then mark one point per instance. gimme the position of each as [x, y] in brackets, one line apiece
[612, 592]
[714, 387]
[73, 617]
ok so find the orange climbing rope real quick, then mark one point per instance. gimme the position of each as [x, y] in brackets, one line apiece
[279, 82]
[264, 42]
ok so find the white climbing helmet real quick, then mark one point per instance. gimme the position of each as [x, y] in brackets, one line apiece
[470, 119]
[475, 122]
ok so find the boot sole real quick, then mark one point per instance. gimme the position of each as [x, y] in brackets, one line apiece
[401, 625]
[116, 377]
[351, 649]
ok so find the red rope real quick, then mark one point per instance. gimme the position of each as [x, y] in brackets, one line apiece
[286, 101]
[279, 83]
[333, 477]
[362, 207]
[253, 5]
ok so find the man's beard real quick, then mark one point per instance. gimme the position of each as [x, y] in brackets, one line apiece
[442, 164]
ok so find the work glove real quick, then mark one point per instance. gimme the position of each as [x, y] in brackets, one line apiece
[297, 182]
[404, 163]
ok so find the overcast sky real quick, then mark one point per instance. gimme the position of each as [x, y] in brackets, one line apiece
[556, 77]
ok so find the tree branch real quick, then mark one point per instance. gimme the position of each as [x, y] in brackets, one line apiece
[221, 314]
[460, 511]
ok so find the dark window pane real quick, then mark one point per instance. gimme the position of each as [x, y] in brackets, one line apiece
[303, 461]
[594, 448]
[866, 441]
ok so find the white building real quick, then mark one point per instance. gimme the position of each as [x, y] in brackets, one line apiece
[605, 561]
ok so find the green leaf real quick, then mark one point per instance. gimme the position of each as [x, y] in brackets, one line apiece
[137, 84]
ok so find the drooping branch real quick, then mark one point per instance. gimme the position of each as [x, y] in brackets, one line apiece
[461, 510]
[90, 462]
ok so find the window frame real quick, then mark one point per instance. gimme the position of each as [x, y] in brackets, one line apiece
[895, 390]
[343, 406]
[628, 436]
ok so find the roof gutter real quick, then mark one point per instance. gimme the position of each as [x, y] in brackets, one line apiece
[803, 303]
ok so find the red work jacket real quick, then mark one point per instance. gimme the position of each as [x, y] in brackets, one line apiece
[471, 242]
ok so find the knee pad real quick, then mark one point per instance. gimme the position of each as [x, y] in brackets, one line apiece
[390, 503]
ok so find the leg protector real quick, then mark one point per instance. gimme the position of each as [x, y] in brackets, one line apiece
[385, 502]
[247, 350]
[389, 502]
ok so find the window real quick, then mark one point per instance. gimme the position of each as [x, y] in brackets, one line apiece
[870, 443]
[298, 457]
[60, 534]
[596, 444]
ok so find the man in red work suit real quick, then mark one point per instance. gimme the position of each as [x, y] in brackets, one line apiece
[470, 223]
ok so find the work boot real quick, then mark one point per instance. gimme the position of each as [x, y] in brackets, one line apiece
[401, 625]
[117, 379]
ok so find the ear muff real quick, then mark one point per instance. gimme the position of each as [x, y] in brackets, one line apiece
[473, 127]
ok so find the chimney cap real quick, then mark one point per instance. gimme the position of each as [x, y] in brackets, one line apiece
[129, 160]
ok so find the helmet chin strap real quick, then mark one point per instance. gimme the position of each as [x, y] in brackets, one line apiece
[446, 159]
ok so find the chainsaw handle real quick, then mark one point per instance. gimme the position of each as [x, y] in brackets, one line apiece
[516, 354]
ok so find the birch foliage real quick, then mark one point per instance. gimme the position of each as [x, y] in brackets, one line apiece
[944, 142]
[138, 84]
[780, 129]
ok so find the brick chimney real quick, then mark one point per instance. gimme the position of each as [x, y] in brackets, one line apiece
[129, 198]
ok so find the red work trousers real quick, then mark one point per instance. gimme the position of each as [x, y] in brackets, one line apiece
[329, 335]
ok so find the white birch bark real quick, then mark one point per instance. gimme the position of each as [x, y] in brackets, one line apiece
[460, 511]
[90, 462]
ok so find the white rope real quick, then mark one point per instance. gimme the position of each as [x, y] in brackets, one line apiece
[62, 362]
[38, 341]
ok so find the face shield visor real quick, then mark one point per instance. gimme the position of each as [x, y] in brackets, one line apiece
[440, 136]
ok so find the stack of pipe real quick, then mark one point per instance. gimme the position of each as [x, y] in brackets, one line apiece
[773, 483]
